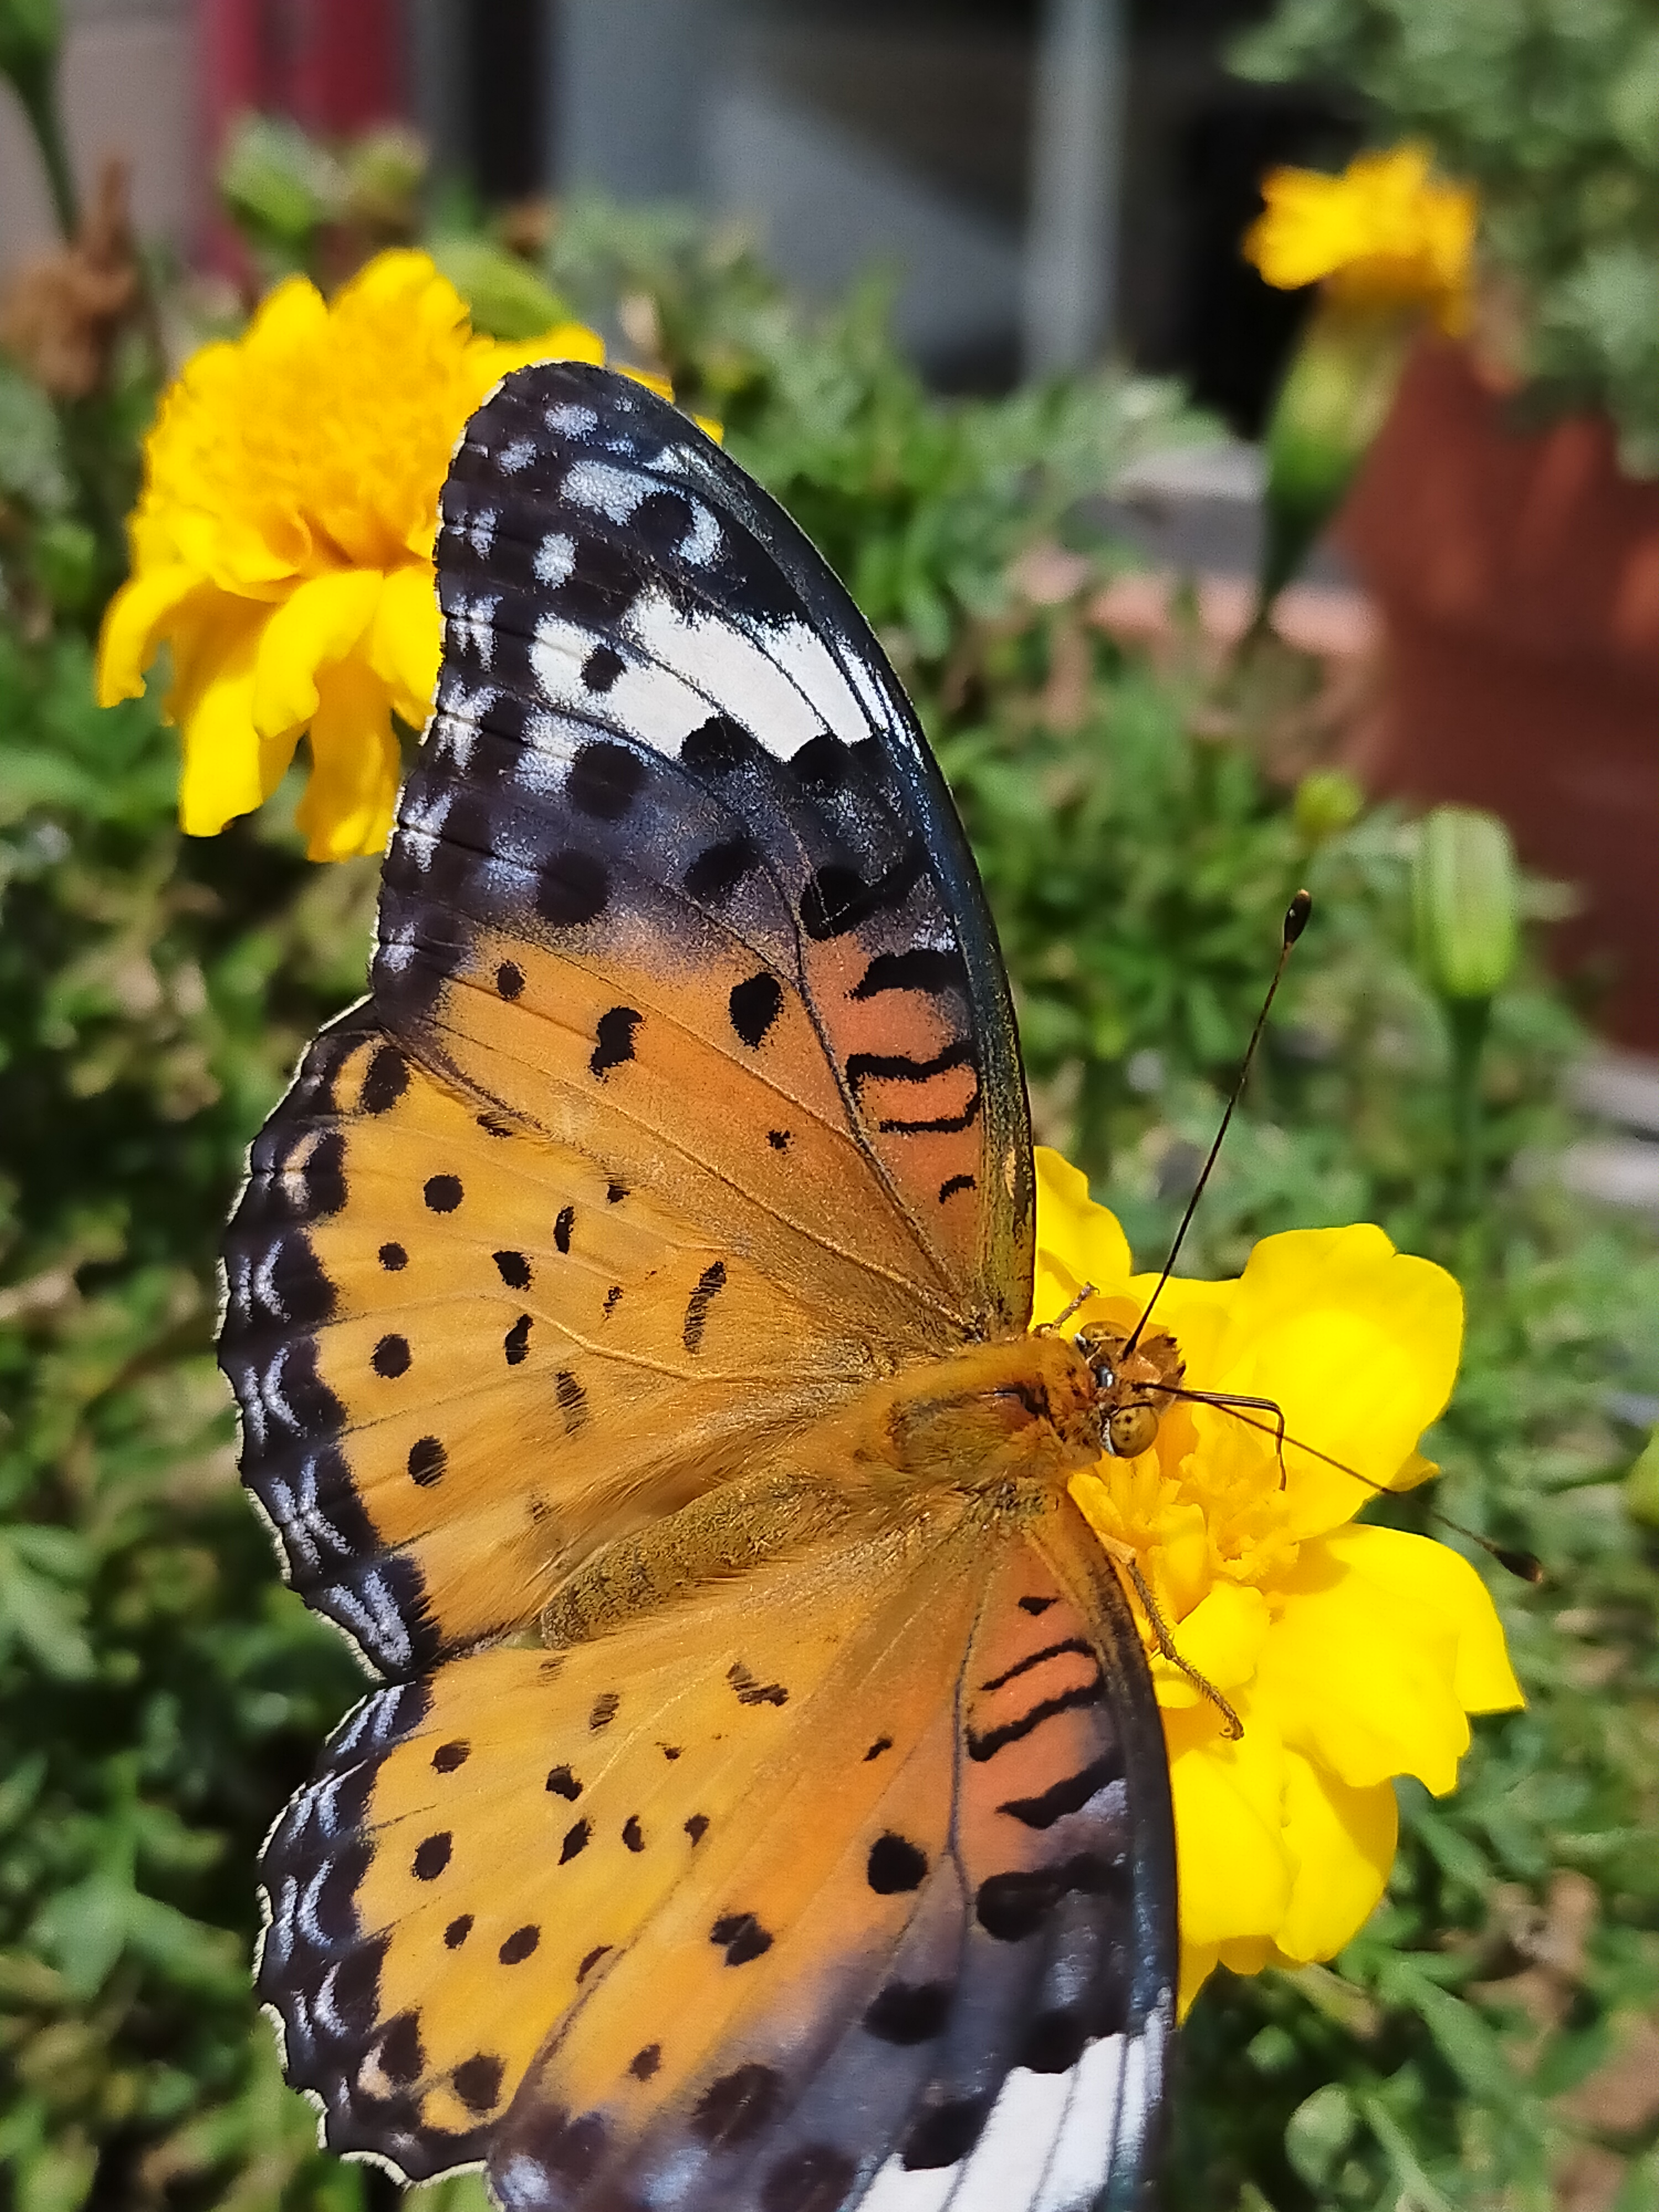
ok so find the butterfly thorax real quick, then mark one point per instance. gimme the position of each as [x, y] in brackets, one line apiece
[1021, 1412]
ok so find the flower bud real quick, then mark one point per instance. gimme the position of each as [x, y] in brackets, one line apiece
[1465, 902]
[1328, 800]
[507, 298]
[278, 185]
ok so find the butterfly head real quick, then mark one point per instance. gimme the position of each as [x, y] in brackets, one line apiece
[1133, 1383]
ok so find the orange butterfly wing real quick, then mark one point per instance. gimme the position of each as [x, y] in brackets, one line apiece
[827, 1881]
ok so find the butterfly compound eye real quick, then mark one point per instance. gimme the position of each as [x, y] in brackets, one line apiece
[1131, 1430]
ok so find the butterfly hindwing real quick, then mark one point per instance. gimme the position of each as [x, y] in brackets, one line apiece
[836, 1886]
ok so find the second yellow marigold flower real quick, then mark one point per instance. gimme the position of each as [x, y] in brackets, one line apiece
[283, 545]
[1353, 1654]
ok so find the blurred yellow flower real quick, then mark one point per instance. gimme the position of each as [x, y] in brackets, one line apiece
[1382, 235]
[1353, 1654]
[282, 544]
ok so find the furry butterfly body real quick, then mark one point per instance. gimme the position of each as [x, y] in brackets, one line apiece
[628, 1310]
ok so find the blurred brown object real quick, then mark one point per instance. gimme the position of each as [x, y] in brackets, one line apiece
[1518, 575]
[60, 313]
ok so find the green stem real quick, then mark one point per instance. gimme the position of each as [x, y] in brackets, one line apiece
[1468, 1020]
[36, 86]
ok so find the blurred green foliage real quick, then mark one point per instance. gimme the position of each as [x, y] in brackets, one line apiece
[160, 1694]
[1551, 107]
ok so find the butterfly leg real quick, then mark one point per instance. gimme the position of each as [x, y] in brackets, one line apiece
[1124, 1556]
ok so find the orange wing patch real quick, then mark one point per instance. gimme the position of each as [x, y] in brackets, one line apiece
[470, 1355]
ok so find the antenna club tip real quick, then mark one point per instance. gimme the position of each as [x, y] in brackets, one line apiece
[1296, 917]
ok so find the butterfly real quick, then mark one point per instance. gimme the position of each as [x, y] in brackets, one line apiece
[766, 1808]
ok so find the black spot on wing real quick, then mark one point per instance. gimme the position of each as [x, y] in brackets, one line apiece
[718, 870]
[742, 1937]
[1069, 1794]
[572, 887]
[751, 1692]
[572, 1400]
[709, 1284]
[895, 1865]
[602, 667]
[1013, 1905]
[716, 747]
[604, 781]
[442, 1193]
[864, 1068]
[614, 1035]
[754, 1005]
[427, 1461]
[921, 969]
[432, 1856]
[563, 1783]
[390, 1359]
[910, 2012]
[513, 1269]
[837, 899]
[478, 2082]
[386, 1080]
[738, 2107]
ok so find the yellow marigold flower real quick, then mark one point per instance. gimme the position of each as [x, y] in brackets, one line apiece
[1380, 234]
[282, 544]
[1353, 1654]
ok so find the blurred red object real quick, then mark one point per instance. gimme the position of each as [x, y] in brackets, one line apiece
[1518, 575]
[333, 66]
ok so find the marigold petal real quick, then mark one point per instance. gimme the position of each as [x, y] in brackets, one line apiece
[135, 624]
[1222, 1637]
[229, 769]
[1356, 1342]
[1235, 1873]
[1359, 1677]
[405, 642]
[348, 800]
[317, 625]
[1077, 1241]
[1420, 1570]
[1341, 1841]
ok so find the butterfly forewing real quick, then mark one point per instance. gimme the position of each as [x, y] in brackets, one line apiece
[669, 750]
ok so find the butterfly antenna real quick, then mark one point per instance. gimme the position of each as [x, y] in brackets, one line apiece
[1526, 1566]
[1296, 920]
